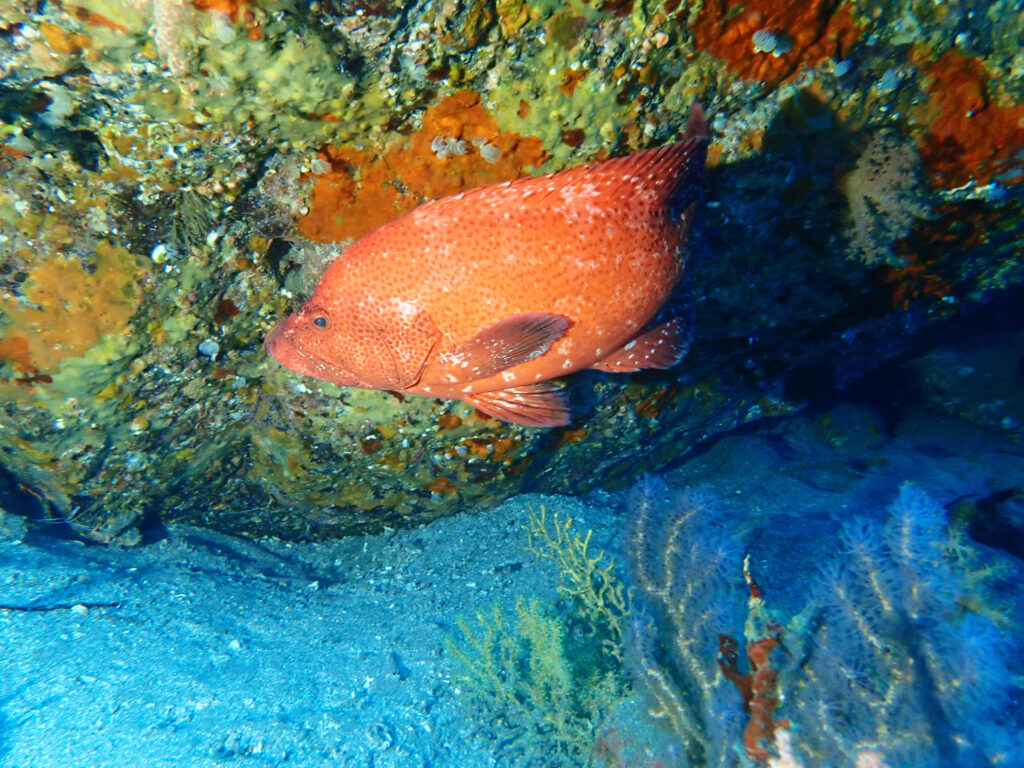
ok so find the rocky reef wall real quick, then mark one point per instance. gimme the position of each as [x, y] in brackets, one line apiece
[174, 176]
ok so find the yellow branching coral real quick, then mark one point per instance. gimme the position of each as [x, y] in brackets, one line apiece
[530, 677]
[588, 579]
[67, 308]
[547, 682]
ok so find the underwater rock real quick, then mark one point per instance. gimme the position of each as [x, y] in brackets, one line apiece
[139, 279]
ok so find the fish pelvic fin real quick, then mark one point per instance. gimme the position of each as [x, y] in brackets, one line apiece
[535, 405]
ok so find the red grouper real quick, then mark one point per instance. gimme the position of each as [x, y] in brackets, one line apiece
[489, 294]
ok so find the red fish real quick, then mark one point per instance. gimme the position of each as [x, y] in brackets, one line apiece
[488, 295]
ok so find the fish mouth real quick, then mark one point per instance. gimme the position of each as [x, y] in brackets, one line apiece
[280, 346]
[287, 350]
[271, 341]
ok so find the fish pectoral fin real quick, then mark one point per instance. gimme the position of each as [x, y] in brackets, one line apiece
[534, 405]
[505, 344]
[660, 347]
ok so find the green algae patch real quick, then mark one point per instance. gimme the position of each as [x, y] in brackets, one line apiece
[131, 17]
[272, 72]
[287, 83]
[586, 97]
[564, 110]
[178, 326]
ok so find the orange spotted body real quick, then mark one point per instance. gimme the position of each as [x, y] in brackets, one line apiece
[487, 295]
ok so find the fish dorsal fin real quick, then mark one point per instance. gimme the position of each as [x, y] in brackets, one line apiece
[697, 123]
[662, 175]
[534, 405]
[505, 344]
[671, 175]
[661, 347]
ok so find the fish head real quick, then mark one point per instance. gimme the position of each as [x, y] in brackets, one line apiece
[355, 340]
[327, 342]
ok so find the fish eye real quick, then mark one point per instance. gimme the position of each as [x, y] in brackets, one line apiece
[320, 321]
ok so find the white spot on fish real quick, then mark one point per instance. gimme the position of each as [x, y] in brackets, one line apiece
[405, 309]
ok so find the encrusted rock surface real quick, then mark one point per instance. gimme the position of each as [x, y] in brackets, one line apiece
[175, 175]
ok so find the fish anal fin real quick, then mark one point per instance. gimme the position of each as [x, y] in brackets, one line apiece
[534, 405]
[660, 347]
[505, 344]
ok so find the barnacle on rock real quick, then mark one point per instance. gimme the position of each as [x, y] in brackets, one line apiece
[771, 40]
